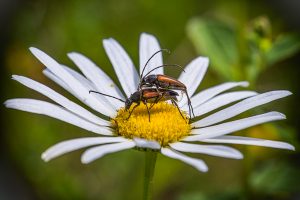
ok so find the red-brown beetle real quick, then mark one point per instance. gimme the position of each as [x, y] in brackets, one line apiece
[160, 81]
[154, 88]
[147, 95]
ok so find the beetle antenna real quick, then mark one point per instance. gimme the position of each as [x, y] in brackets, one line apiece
[166, 50]
[92, 91]
[165, 65]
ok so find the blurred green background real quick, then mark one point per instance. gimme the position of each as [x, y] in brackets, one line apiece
[257, 41]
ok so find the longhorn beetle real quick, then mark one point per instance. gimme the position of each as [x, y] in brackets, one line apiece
[160, 81]
[147, 95]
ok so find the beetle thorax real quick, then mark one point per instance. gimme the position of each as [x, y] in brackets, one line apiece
[151, 79]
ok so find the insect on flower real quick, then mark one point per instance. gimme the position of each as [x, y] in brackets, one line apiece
[152, 89]
[160, 81]
[167, 133]
[147, 95]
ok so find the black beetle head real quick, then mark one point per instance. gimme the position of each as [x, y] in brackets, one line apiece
[151, 78]
[128, 103]
[135, 97]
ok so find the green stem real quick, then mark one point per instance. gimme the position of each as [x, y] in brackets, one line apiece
[149, 172]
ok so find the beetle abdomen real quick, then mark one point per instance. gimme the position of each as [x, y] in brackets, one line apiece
[170, 82]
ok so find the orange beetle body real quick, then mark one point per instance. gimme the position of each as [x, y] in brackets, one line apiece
[165, 82]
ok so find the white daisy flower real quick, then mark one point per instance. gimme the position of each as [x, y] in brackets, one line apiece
[167, 132]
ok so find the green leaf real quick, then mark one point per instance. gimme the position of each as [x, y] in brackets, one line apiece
[217, 40]
[284, 47]
[276, 177]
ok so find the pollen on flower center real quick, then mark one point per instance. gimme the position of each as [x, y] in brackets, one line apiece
[166, 124]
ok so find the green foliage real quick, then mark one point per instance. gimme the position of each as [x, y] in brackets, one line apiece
[218, 41]
[240, 52]
[58, 27]
[276, 178]
[283, 47]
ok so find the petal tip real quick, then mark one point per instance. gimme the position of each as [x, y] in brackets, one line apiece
[244, 83]
[107, 42]
[14, 76]
[240, 156]
[32, 49]
[290, 147]
[35, 51]
[71, 54]
[279, 114]
[45, 158]
[144, 35]
[282, 93]
[202, 61]
[288, 93]
[110, 40]
[6, 103]
[84, 160]
[205, 169]
[206, 59]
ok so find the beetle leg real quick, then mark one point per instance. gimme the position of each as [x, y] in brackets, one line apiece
[174, 102]
[152, 104]
[156, 87]
[132, 110]
[191, 110]
[157, 100]
[148, 110]
[117, 125]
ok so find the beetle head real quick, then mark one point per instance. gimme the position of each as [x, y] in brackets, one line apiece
[128, 103]
[150, 79]
[135, 97]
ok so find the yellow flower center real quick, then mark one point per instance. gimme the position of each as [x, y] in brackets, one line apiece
[166, 124]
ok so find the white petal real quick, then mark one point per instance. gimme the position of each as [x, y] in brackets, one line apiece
[100, 79]
[85, 83]
[75, 144]
[58, 98]
[90, 86]
[58, 81]
[222, 100]
[196, 163]
[213, 150]
[72, 82]
[148, 46]
[97, 152]
[193, 75]
[207, 94]
[123, 66]
[229, 127]
[148, 144]
[57, 112]
[250, 141]
[241, 107]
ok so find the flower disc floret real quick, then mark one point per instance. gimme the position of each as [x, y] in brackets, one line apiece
[166, 124]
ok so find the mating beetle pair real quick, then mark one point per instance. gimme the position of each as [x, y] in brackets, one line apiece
[160, 81]
[154, 88]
